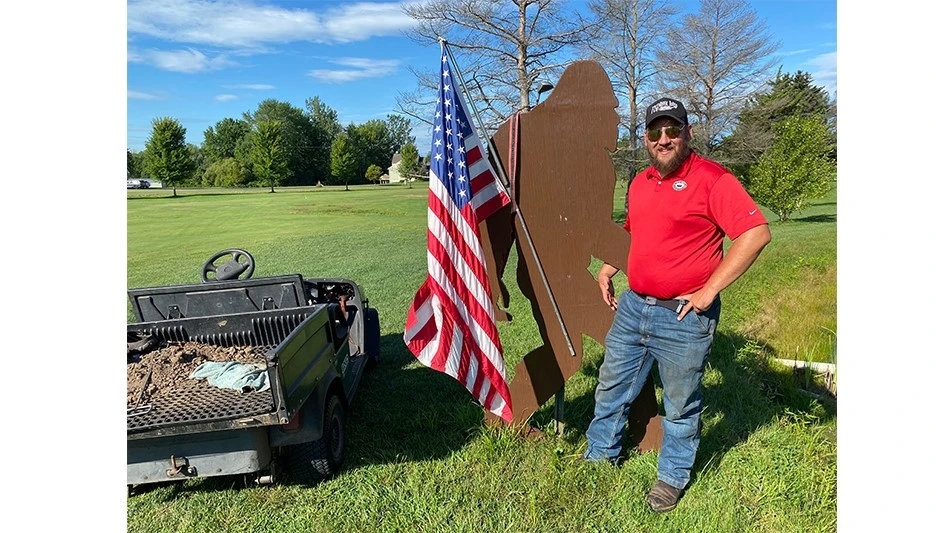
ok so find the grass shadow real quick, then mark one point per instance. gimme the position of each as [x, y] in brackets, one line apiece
[817, 218]
[404, 411]
[747, 392]
[169, 491]
[742, 392]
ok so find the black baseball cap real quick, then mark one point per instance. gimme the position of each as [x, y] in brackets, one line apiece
[667, 107]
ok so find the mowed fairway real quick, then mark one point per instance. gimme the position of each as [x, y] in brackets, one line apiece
[419, 457]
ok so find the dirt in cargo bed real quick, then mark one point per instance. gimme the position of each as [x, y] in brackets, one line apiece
[172, 363]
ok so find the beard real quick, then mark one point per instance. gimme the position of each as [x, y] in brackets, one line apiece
[667, 167]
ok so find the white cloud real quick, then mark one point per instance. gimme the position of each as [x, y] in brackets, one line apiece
[189, 60]
[137, 95]
[824, 71]
[793, 52]
[225, 97]
[360, 21]
[249, 23]
[251, 86]
[359, 68]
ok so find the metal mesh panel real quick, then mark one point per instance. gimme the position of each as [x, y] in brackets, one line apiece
[196, 401]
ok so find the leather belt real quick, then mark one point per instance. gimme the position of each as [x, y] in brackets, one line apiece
[673, 305]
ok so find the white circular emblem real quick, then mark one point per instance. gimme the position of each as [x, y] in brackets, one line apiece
[679, 185]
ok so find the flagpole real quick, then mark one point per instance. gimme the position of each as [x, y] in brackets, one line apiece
[501, 175]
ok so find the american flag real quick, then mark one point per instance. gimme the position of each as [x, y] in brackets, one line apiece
[450, 326]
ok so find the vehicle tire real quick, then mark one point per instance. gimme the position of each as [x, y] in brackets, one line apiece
[372, 335]
[311, 462]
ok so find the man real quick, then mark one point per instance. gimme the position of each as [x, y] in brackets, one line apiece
[679, 212]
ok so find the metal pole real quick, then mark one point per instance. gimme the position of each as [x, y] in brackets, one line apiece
[559, 411]
[501, 175]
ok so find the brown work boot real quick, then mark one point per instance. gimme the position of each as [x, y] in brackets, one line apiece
[663, 497]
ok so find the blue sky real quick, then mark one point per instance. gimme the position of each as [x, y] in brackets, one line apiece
[199, 61]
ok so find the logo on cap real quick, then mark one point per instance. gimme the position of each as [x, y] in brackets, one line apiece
[664, 105]
[679, 185]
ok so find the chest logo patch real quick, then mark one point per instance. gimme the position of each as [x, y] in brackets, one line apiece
[679, 185]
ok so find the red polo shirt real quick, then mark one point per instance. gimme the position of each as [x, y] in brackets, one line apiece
[678, 224]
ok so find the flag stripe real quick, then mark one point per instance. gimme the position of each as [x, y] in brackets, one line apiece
[486, 363]
[467, 306]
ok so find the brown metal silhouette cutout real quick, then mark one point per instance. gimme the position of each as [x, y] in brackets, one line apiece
[563, 186]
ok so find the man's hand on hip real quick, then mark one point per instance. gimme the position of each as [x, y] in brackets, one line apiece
[698, 301]
[607, 286]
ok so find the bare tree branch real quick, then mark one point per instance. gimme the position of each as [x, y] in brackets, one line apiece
[624, 38]
[720, 56]
[504, 43]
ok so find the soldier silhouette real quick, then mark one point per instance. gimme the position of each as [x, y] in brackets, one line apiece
[562, 180]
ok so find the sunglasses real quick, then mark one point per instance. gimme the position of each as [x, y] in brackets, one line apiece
[671, 131]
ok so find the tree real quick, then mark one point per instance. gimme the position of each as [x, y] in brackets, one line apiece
[297, 135]
[201, 164]
[399, 132]
[788, 95]
[508, 47]
[325, 127]
[345, 159]
[373, 143]
[267, 156]
[373, 173]
[167, 156]
[624, 39]
[222, 138]
[410, 167]
[133, 169]
[713, 62]
[227, 172]
[138, 167]
[796, 168]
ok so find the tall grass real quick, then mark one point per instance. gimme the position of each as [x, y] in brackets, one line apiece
[420, 457]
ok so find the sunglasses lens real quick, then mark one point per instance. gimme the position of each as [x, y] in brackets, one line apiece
[671, 131]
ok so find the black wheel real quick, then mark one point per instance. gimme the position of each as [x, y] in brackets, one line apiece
[232, 269]
[311, 462]
[372, 335]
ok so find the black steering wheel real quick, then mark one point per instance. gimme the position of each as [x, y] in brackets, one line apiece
[230, 270]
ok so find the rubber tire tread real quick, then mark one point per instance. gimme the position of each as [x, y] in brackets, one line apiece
[311, 462]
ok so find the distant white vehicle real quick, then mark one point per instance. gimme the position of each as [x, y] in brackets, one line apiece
[138, 184]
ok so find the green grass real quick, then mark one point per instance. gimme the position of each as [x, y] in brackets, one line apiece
[419, 455]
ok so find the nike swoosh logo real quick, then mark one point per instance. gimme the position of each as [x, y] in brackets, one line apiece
[752, 212]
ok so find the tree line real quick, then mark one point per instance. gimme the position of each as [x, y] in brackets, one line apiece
[774, 130]
[276, 144]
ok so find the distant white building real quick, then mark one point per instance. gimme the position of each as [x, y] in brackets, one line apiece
[393, 173]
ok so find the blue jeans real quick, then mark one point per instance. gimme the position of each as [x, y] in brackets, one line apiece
[640, 334]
